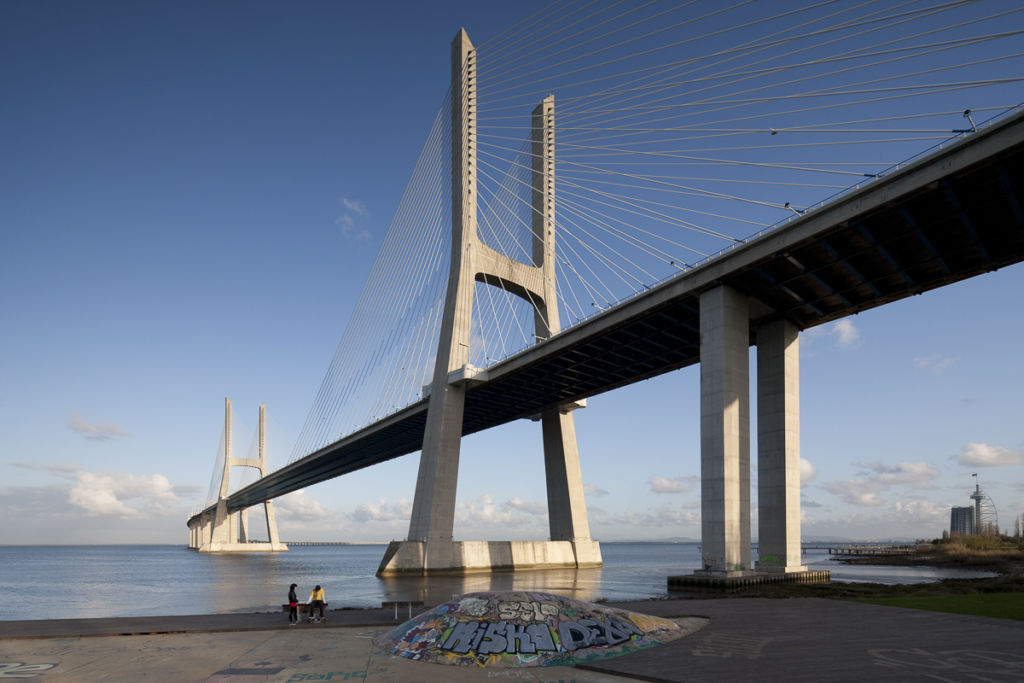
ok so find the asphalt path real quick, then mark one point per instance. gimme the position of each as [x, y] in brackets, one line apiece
[735, 639]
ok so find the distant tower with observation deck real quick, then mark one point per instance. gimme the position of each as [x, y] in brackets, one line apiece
[979, 518]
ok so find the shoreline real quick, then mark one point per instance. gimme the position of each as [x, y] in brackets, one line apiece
[1010, 578]
[1008, 565]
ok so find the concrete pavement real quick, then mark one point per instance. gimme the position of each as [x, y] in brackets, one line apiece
[755, 639]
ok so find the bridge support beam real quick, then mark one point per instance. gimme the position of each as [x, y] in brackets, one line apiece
[219, 530]
[778, 448]
[725, 432]
[430, 546]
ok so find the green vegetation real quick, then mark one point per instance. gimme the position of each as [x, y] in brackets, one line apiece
[979, 552]
[1002, 605]
[997, 596]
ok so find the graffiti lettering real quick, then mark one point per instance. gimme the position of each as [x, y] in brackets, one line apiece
[493, 641]
[22, 670]
[492, 638]
[495, 637]
[590, 632]
[464, 637]
[526, 611]
[329, 676]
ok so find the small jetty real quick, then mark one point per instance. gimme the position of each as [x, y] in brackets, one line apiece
[866, 549]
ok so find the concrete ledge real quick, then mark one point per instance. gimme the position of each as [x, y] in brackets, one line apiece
[243, 548]
[711, 582]
[461, 557]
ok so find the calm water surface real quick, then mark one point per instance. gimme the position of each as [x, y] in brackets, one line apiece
[50, 582]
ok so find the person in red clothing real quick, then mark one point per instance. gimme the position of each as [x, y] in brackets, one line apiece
[293, 605]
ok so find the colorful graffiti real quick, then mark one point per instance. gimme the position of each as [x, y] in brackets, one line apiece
[526, 629]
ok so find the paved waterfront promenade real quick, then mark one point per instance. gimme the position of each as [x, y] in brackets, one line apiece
[755, 639]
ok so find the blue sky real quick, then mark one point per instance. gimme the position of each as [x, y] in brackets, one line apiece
[192, 197]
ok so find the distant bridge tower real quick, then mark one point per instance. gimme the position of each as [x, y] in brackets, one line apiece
[220, 530]
[430, 546]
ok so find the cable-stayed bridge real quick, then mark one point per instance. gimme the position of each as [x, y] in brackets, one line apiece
[628, 214]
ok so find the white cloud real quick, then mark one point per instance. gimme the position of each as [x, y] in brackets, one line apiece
[808, 472]
[121, 494]
[901, 519]
[863, 493]
[355, 206]
[513, 519]
[673, 485]
[846, 334]
[983, 455]
[593, 490]
[95, 432]
[535, 507]
[933, 363]
[483, 510]
[867, 492]
[915, 474]
[352, 219]
[297, 505]
[380, 511]
[45, 514]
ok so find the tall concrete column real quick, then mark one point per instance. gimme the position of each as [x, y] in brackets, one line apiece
[226, 475]
[778, 447]
[433, 513]
[567, 509]
[725, 431]
[268, 506]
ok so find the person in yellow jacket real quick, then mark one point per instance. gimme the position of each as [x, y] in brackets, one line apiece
[316, 604]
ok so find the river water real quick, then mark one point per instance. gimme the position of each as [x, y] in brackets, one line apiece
[51, 582]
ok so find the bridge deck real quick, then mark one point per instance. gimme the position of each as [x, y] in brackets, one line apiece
[954, 214]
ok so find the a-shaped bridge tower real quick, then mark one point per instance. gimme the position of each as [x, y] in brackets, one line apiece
[218, 529]
[430, 546]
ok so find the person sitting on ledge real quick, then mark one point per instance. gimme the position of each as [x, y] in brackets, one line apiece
[316, 604]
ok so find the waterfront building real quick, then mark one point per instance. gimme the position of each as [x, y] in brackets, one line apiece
[961, 520]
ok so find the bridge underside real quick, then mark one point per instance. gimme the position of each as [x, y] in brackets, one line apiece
[953, 215]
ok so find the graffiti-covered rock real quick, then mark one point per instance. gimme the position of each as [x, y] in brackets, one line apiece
[527, 629]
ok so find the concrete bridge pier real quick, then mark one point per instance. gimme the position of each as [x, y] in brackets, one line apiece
[778, 448]
[725, 440]
[724, 432]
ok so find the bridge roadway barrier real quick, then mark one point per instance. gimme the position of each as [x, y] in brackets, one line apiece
[746, 639]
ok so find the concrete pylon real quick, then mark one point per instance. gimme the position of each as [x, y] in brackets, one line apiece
[778, 448]
[228, 531]
[724, 432]
[725, 444]
[567, 511]
[430, 546]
